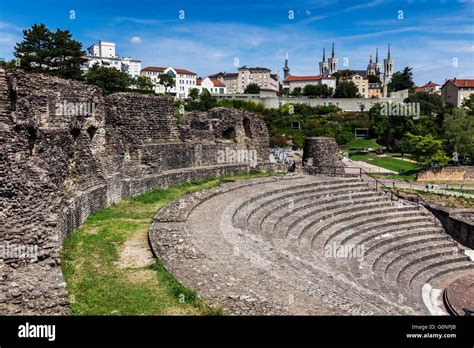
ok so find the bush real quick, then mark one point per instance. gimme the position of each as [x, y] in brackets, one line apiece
[242, 105]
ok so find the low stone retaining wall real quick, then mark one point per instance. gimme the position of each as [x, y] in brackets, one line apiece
[461, 173]
[461, 230]
[77, 209]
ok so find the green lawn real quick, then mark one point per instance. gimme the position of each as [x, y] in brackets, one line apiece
[399, 155]
[362, 143]
[361, 156]
[394, 164]
[410, 169]
[98, 284]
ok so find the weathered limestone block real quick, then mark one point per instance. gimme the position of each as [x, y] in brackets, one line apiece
[321, 156]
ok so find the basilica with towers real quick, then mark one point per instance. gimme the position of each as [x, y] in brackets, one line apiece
[371, 82]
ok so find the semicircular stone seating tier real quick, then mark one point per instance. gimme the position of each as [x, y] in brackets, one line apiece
[308, 245]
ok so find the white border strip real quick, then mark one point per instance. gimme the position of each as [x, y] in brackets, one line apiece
[431, 299]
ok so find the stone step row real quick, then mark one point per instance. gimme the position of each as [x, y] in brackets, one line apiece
[278, 219]
[300, 220]
[288, 192]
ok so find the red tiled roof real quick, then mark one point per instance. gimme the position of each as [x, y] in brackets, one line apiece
[217, 83]
[432, 84]
[154, 68]
[306, 78]
[419, 89]
[462, 82]
[162, 69]
[198, 82]
[184, 71]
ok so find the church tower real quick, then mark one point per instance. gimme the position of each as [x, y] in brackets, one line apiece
[286, 69]
[324, 66]
[333, 62]
[388, 67]
[378, 66]
[371, 67]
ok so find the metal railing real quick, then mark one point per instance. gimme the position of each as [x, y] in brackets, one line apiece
[419, 199]
[333, 170]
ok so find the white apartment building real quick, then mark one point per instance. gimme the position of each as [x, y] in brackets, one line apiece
[212, 85]
[293, 81]
[236, 83]
[184, 80]
[103, 54]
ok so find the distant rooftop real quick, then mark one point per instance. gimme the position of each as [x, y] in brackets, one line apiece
[162, 69]
[462, 82]
[306, 78]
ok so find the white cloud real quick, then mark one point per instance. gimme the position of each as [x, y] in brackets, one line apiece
[136, 40]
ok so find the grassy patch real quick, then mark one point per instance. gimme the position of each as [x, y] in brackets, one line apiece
[409, 176]
[362, 143]
[448, 201]
[471, 192]
[98, 286]
[361, 156]
[395, 164]
[399, 155]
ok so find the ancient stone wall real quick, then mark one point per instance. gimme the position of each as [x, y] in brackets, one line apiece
[67, 151]
[461, 173]
[321, 156]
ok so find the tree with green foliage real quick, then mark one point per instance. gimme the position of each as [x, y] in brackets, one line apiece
[193, 93]
[403, 146]
[428, 150]
[430, 103]
[7, 64]
[344, 136]
[109, 79]
[401, 80]
[468, 103]
[388, 128]
[143, 82]
[296, 92]
[167, 81]
[374, 79]
[426, 124]
[378, 123]
[343, 74]
[53, 53]
[252, 88]
[207, 99]
[206, 102]
[321, 91]
[346, 89]
[246, 105]
[458, 129]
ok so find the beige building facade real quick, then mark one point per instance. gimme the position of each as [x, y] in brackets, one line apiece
[362, 85]
[455, 91]
[293, 81]
[236, 83]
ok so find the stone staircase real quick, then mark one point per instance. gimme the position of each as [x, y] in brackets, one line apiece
[338, 236]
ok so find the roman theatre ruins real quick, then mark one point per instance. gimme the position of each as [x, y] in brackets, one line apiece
[315, 242]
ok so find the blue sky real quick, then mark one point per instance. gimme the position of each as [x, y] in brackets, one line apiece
[435, 37]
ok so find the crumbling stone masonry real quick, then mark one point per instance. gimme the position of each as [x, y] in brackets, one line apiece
[66, 151]
[321, 156]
